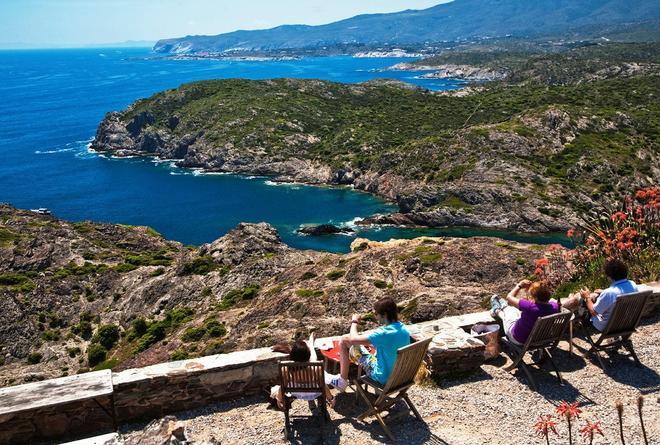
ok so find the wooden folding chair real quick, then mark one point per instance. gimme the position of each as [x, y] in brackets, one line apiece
[306, 378]
[408, 361]
[545, 336]
[623, 322]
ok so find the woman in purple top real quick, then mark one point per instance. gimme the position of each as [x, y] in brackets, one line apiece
[519, 314]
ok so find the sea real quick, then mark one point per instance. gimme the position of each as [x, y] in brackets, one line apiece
[51, 102]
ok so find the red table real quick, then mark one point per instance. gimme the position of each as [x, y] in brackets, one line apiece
[332, 356]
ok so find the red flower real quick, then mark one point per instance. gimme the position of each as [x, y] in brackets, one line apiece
[538, 271]
[570, 233]
[545, 425]
[542, 262]
[570, 411]
[589, 430]
[619, 216]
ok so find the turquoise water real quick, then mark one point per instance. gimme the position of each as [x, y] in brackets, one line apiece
[52, 101]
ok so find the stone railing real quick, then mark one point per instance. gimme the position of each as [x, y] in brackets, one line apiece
[96, 402]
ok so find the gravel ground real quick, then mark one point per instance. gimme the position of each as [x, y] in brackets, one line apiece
[491, 406]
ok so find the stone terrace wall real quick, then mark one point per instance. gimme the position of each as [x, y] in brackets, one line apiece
[169, 387]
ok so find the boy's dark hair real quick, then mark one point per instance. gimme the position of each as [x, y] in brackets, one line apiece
[616, 270]
[300, 352]
[387, 307]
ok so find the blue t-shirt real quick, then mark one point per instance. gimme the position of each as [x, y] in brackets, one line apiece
[605, 302]
[387, 340]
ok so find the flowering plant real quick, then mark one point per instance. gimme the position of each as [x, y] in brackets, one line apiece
[631, 233]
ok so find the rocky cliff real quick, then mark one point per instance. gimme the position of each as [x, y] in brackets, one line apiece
[523, 157]
[75, 296]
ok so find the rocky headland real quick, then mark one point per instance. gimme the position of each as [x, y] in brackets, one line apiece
[468, 73]
[78, 296]
[527, 157]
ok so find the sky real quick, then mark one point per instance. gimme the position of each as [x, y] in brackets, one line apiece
[57, 23]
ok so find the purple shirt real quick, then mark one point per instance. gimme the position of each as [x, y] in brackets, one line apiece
[529, 312]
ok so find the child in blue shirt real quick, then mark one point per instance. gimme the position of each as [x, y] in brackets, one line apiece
[387, 340]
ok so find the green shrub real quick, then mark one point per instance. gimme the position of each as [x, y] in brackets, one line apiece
[215, 329]
[107, 335]
[13, 279]
[380, 284]
[521, 261]
[193, 334]
[236, 296]
[72, 269]
[73, 351]
[34, 358]
[309, 293]
[157, 330]
[154, 334]
[96, 354]
[157, 272]
[139, 326]
[180, 354]
[369, 316]
[335, 274]
[125, 267]
[83, 329]
[51, 335]
[360, 247]
[199, 266]
[308, 275]
[106, 364]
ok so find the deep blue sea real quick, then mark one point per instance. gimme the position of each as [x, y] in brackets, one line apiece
[51, 102]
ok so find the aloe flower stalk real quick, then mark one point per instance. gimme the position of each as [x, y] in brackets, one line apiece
[569, 412]
[589, 431]
[640, 406]
[619, 410]
[545, 426]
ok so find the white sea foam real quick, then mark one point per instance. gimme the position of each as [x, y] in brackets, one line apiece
[48, 152]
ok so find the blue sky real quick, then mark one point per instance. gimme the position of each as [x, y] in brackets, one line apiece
[53, 23]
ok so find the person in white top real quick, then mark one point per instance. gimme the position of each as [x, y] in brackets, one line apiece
[598, 305]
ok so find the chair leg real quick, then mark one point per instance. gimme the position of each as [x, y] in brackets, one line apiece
[531, 380]
[287, 425]
[322, 415]
[629, 347]
[412, 408]
[385, 428]
[554, 366]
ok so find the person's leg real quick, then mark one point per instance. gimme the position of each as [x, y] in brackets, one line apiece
[344, 359]
[509, 315]
[572, 303]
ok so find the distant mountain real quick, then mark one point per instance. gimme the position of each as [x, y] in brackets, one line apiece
[460, 19]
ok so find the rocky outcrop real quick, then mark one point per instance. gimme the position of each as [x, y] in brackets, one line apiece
[468, 73]
[324, 229]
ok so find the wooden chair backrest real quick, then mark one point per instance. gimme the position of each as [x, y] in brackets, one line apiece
[548, 330]
[301, 377]
[408, 360]
[627, 313]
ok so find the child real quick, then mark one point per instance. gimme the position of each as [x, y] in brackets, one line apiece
[303, 352]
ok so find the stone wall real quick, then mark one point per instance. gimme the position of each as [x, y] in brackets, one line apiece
[169, 387]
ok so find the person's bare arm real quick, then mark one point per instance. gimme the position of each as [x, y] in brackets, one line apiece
[354, 337]
[586, 294]
[512, 297]
[312, 350]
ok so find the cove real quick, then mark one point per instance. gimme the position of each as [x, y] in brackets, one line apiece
[53, 100]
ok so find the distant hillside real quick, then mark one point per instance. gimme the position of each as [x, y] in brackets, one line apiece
[574, 130]
[460, 19]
